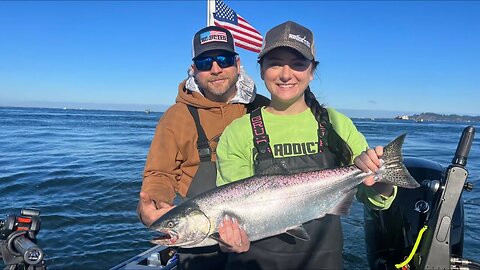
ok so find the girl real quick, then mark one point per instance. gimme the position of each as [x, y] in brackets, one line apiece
[293, 134]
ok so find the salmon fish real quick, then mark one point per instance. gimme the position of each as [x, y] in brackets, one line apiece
[269, 205]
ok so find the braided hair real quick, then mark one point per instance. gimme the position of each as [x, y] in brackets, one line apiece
[334, 142]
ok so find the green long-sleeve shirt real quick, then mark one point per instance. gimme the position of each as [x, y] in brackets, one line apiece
[289, 135]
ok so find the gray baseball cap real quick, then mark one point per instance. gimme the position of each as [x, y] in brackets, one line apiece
[292, 35]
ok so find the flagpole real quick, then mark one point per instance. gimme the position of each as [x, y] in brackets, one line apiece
[210, 10]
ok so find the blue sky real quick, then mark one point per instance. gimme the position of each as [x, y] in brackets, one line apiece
[390, 56]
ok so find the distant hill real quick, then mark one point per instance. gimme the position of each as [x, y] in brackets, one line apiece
[440, 117]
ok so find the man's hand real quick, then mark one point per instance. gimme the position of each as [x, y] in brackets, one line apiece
[232, 234]
[148, 211]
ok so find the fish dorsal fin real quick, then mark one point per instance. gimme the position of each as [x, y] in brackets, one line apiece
[216, 236]
[299, 232]
[343, 207]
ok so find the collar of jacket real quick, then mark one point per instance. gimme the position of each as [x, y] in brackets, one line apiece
[246, 89]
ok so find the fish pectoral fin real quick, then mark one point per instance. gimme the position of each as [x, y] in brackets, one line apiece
[216, 237]
[343, 207]
[299, 232]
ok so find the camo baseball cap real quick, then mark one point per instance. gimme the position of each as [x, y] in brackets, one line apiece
[292, 35]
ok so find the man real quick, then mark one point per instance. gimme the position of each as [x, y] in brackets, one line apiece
[182, 154]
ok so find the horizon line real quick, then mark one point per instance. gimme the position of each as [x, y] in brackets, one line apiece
[161, 108]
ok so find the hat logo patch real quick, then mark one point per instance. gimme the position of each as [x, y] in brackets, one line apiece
[213, 36]
[300, 39]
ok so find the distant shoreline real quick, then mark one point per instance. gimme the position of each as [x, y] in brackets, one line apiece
[146, 110]
[434, 117]
[89, 106]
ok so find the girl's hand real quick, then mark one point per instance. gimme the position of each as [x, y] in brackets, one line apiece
[233, 235]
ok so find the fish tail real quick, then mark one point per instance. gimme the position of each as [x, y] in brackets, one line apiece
[393, 171]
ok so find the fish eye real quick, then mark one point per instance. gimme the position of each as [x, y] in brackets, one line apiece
[170, 224]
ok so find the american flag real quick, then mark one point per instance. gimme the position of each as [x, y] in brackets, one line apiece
[244, 34]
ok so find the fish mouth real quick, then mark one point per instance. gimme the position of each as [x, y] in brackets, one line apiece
[166, 238]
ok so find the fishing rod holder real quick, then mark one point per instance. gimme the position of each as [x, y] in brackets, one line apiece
[435, 252]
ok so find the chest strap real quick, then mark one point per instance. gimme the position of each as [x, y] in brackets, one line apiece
[260, 137]
[322, 135]
[203, 147]
[261, 140]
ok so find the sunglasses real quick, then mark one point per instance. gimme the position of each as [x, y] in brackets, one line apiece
[206, 63]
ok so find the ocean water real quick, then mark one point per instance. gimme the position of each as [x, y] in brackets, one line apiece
[83, 168]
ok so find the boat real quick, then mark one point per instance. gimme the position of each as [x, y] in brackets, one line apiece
[422, 229]
[402, 117]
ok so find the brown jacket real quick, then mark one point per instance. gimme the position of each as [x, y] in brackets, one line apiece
[173, 157]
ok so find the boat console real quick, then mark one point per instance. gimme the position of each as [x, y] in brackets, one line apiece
[424, 227]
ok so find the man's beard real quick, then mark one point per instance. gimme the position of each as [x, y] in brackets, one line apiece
[219, 92]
